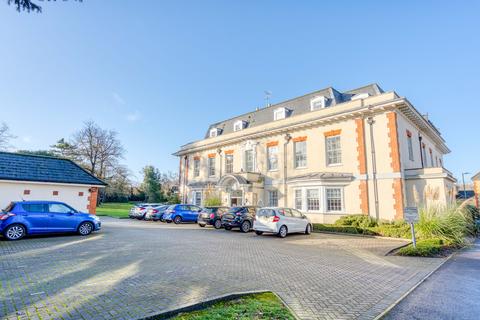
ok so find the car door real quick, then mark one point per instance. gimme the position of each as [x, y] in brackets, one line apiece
[62, 218]
[183, 211]
[193, 212]
[36, 216]
[288, 219]
[300, 221]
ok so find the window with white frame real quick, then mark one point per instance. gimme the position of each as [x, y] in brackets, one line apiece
[313, 200]
[196, 167]
[333, 150]
[239, 125]
[334, 199]
[229, 163]
[197, 198]
[280, 113]
[272, 158]
[300, 152]
[318, 103]
[214, 132]
[273, 198]
[211, 166]
[298, 199]
[410, 147]
[249, 161]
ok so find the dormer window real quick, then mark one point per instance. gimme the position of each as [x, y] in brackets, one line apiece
[215, 132]
[239, 125]
[361, 96]
[318, 103]
[280, 113]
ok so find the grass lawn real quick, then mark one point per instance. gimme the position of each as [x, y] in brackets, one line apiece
[114, 209]
[255, 306]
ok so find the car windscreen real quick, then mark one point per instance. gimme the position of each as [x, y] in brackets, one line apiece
[172, 207]
[235, 209]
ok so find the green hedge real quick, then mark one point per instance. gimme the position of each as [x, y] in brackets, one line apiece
[394, 230]
[425, 248]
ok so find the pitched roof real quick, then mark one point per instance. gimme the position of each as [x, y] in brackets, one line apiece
[476, 176]
[24, 167]
[296, 106]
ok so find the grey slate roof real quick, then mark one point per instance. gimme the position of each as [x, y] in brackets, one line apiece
[297, 106]
[23, 167]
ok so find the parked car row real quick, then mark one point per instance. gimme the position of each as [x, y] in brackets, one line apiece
[280, 221]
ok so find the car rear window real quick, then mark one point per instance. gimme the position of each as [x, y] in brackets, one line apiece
[9, 207]
[172, 207]
[208, 210]
[266, 213]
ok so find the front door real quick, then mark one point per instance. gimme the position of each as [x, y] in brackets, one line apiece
[62, 218]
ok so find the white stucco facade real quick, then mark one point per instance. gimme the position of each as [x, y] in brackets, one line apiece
[77, 196]
[373, 171]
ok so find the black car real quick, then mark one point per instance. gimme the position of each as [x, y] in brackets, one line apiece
[211, 216]
[239, 217]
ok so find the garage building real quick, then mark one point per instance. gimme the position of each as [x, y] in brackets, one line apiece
[32, 177]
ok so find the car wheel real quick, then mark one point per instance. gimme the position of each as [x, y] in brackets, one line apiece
[228, 228]
[177, 220]
[245, 227]
[282, 233]
[201, 225]
[217, 224]
[15, 232]
[258, 233]
[308, 230]
[85, 228]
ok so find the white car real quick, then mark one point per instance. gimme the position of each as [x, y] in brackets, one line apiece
[281, 221]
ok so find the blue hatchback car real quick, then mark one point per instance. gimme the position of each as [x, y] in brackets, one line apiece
[179, 213]
[41, 217]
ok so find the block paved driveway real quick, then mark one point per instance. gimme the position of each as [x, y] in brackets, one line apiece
[132, 269]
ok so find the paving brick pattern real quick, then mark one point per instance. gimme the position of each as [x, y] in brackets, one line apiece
[132, 269]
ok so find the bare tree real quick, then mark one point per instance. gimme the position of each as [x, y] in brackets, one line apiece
[98, 149]
[28, 5]
[5, 136]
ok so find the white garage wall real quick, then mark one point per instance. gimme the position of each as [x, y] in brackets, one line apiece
[14, 191]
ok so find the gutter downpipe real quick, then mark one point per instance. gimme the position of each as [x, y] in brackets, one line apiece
[219, 151]
[370, 121]
[287, 137]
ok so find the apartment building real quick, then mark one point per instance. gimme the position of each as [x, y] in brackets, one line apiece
[328, 153]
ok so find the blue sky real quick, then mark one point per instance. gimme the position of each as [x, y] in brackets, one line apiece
[159, 72]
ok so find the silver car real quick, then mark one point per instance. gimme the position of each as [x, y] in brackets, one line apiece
[281, 221]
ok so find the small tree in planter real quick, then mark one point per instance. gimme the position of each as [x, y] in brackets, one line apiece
[212, 197]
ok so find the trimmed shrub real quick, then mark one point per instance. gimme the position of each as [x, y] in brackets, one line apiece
[361, 221]
[425, 248]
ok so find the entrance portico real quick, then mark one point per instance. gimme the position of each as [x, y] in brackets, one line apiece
[233, 188]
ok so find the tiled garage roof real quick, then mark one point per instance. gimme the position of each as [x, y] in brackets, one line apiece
[23, 167]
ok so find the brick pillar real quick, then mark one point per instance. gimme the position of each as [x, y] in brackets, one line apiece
[362, 165]
[397, 185]
[92, 200]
